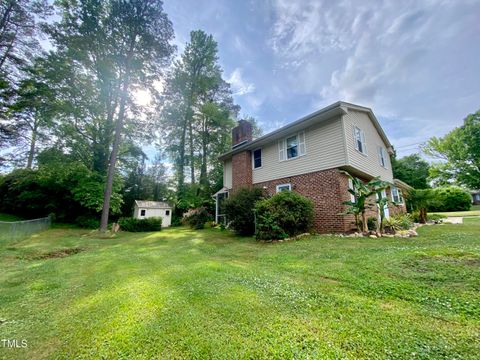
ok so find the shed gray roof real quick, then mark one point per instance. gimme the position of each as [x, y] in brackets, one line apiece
[152, 204]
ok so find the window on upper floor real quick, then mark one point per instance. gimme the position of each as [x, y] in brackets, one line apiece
[257, 158]
[142, 212]
[397, 195]
[291, 147]
[167, 212]
[359, 137]
[284, 187]
[382, 156]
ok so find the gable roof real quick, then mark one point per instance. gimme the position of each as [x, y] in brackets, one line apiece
[336, 109]
[152, 204]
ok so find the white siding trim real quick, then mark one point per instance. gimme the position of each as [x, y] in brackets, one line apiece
[281, 150]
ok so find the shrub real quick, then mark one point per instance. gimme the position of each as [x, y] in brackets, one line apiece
[196, 218]
[451, 198]
[402, 221]
[239, 210]
[284, 214]
[139, 225]
[87, 222]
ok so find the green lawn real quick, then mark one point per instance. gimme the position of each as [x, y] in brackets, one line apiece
[207, 294]
[474, 211]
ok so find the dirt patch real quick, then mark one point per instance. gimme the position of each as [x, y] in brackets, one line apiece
[61, 253]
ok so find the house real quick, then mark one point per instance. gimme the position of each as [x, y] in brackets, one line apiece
[147, 209]
[475, 197]
[310, 156]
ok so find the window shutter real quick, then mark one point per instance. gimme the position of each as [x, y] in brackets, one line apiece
[281, 150]
[350, 186]
[379, 150]
[355, 137]
[301, 143]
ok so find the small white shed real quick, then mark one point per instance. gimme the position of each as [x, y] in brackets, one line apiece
[147, 209]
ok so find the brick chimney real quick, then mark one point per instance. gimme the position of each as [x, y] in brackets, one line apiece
[242, 133]
[242, 161]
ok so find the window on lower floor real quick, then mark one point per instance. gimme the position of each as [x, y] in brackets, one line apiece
[257, 158]
[351, 187]
[167, 212]
[142, 212]
[397, 195]
[284, 187]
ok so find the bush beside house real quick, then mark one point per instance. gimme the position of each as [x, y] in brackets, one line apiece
[239, 209]
[284, 214]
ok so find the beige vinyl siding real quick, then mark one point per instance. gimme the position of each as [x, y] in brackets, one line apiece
[369, 163]
[325, 149]
[227, 174]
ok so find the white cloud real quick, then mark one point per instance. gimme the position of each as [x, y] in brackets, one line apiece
[239, 85]
[405, 59]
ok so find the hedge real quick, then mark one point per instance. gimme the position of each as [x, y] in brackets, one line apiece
[138, 225]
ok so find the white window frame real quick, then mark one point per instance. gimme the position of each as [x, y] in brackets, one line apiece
[301, 146]
[278, 187]
[362, 140]
[399, 195]
[261, 159]
[382, 157]
[144, 212]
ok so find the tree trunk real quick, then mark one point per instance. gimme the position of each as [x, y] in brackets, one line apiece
[192, 162]
[364, 222]
[423, 216]
[181, 157]
[115, 146]
[203, 168]
[31, 152]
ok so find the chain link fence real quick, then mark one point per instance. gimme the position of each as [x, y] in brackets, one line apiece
[16, 230]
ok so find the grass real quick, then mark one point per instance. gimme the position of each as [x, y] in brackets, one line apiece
[208, 294]
[474, 211]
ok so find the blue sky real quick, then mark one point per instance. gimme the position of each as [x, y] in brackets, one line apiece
[415, 63]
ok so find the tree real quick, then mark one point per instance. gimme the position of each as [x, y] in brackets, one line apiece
[198, 105]
[459, 152]
[361, 192]
[421, 200]
[117, 46]
[33, 110]
[18, 45]
[411, 169]
[19, 32]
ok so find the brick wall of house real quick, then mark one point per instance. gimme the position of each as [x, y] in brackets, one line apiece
[327, 189]
[395, 209]
[241, 170]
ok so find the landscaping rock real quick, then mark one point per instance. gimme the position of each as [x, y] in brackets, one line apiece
[373, 236]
